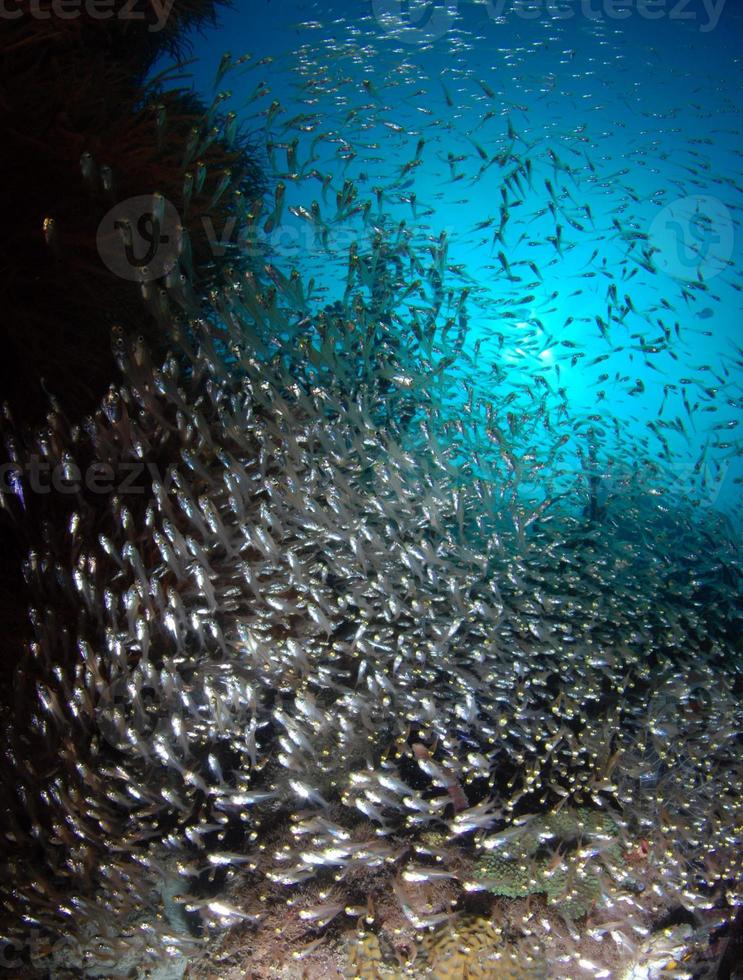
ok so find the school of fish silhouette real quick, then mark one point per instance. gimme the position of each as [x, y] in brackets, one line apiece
[324, 611]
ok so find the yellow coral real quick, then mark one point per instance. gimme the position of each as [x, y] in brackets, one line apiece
[472, 948]
[365, 960]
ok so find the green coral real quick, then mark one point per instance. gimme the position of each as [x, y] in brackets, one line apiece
[508, 877]
[552, 855]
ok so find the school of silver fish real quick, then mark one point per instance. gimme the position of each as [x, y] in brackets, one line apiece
[365, 572]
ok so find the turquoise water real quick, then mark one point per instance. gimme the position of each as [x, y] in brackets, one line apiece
[624, 137]
[443, 533]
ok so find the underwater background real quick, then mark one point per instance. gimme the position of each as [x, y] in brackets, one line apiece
[383, 617]
[633, 153]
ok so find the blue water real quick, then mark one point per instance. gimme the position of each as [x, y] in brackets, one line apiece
[636, 125]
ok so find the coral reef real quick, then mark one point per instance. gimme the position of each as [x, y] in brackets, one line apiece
[561, 854]
[470, 948]
[213, 656]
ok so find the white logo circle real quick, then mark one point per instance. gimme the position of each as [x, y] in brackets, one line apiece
[692, 235]
[415, 21]
[139, 238]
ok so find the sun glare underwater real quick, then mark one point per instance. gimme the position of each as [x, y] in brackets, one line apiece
[421, 656]
[573, 178]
